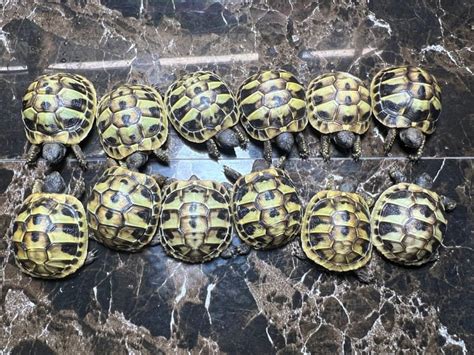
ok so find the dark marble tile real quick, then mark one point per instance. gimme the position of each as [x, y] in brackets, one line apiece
[267, 302]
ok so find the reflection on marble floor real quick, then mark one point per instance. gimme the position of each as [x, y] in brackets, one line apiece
[267, 302]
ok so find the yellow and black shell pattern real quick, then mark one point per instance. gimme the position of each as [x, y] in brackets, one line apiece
[408, 224]
[338, 102]
[406, 96]
[123, 209]
[266, 209]
[201, 105]
[336, 231]
[132, 118]
[50, 235]
[272, 102]
[59, 108]
[195, 220]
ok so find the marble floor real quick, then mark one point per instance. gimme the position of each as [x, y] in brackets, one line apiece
[267, 302]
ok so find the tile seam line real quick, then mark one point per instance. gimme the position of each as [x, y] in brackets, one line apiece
[98, 160]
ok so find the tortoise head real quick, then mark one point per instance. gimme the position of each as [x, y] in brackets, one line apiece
[227, 139]
[136, 160]
[260, 164]
[349, 185]
[425, 181]
[345, 139]
[412, 137]
[53, 153]
[54, 183]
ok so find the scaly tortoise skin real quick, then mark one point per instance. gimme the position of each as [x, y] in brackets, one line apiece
[338, 102]
[273, 102]
[266, 208]
[336, 230]
[123, 209]
[195, 220]
[408, 224]
[132, 118]
[50, 235]
[202, 106]
[406, 97]
[58, 108]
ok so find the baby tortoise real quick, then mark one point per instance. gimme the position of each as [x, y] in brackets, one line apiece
[273, 108]
[50, 234]
[123, 209]
[266, 208]
[339, 107]
[202, 109]
[195, 219]
[58, 111]
[406, 99]
[408, 220]
[132, 122]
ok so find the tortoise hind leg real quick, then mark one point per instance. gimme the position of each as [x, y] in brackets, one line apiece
[212, 149]
[389, 140]
[302, 145]
[419, 152]
[241, 136]
[231, 174]
[33, 154]
[325, 144]
[76, 186]
[162, 155]
[267, 151]
[357, 148]
[81, 158]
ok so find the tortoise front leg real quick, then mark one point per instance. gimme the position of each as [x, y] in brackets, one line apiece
[302, 145]
[33, 154]
[241, 136]
[389, 140]
[212, 149]
[81, 158]
[162, 155]
[325, 150]
[419, 152]
[267, 151]
[357, 148]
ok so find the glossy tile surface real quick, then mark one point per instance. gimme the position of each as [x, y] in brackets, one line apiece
[267, 302]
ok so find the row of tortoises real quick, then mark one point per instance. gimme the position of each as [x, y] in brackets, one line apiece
[271, 106]
[194, 219]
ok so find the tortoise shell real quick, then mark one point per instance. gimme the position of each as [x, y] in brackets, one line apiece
[59, 108]
[266, 209]
[272, 102]
[338, 102]
[132, 118]
[123, 209]
[408, 224]
[336, 231]
[201, 105]
[195, 220]
[406, 96]
[50, 235]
